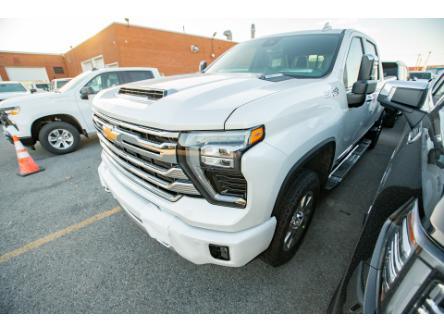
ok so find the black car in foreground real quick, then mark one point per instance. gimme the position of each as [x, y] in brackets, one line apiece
[398, 263]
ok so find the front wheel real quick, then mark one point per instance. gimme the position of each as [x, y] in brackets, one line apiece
[293, 213]
[59, 137]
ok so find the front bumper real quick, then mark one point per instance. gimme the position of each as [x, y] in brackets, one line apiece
[27, 141]
[189, 241]
[10, 128]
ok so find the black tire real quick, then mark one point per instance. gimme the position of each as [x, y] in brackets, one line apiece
[286, 211]
[60, 127]
[389, 118]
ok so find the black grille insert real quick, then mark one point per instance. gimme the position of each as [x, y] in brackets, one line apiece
[151, 94]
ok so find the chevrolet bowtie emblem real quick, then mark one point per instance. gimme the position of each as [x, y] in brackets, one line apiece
[110, 134]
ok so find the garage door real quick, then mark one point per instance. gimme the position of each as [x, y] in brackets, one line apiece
[96, 62]
[27, 73]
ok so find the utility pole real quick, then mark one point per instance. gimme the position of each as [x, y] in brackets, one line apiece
[212, 45]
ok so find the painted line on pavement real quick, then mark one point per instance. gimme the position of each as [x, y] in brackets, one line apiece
[60, 233]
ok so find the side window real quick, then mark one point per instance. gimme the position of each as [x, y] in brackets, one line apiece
[103, 81]
[439, 92]
[371, 49]
[353, 62]
[133, 76]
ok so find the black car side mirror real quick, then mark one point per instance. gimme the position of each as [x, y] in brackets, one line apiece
[33, 90]
[202, 66]
[407, 97]
[365, 85]
[85, 92]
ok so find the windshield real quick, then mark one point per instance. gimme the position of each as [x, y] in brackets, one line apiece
[11, 87]
[421, 75]
[61, 83]
[73, 82]
[305, 56]
[43, 86]
[57, 84]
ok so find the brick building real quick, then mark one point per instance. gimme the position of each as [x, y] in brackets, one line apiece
[31, 66]
[118, 45]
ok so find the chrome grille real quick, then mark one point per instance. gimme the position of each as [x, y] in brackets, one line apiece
[398, 252]
[153, 94]
[145, 155]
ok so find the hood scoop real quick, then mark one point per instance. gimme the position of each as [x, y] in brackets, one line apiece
[149, 93]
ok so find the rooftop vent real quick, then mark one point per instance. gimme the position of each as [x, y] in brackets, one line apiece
[151, 94]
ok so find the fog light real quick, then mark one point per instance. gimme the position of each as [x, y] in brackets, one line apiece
[220, 252]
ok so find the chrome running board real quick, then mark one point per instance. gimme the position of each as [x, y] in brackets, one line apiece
[342, 169]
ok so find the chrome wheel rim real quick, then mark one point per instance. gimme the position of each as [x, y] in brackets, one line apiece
[60, 138]
[298, 221]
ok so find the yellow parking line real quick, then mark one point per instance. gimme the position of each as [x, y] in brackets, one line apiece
[53, 236]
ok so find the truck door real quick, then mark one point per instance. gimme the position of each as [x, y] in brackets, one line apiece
[99, 82]
[356, 118]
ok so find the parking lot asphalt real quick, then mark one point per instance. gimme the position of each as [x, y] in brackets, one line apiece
[110, 266]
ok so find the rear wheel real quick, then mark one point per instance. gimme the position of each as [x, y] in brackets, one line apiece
[59, 137]
[389, 118]
[293, 213]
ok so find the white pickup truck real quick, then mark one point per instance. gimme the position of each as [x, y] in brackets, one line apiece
[224, 165]
[58, 118]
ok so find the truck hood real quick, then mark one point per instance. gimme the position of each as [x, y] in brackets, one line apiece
[193, 102]
[29, 99]
[7, 95]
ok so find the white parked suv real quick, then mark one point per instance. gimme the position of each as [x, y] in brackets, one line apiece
[227, 164]
[57, 119]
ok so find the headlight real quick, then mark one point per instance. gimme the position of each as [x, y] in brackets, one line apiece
[212, 160]
[400, 246]
[11, 111]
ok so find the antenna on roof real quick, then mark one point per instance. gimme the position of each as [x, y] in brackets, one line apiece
[327, 26]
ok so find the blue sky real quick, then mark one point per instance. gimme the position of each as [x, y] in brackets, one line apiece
[398, 39]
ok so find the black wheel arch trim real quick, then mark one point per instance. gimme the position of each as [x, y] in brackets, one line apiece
[303, 161]
[38, 123]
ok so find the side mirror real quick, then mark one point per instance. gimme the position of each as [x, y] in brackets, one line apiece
[33, 90]
[359, 92]
[85, 92]
[367, 67]
[202, 66]
[407, 97]
[365, 85]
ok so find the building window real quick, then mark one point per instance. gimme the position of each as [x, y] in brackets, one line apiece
[59, 70]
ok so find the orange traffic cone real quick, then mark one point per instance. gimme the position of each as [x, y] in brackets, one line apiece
[27, 166]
